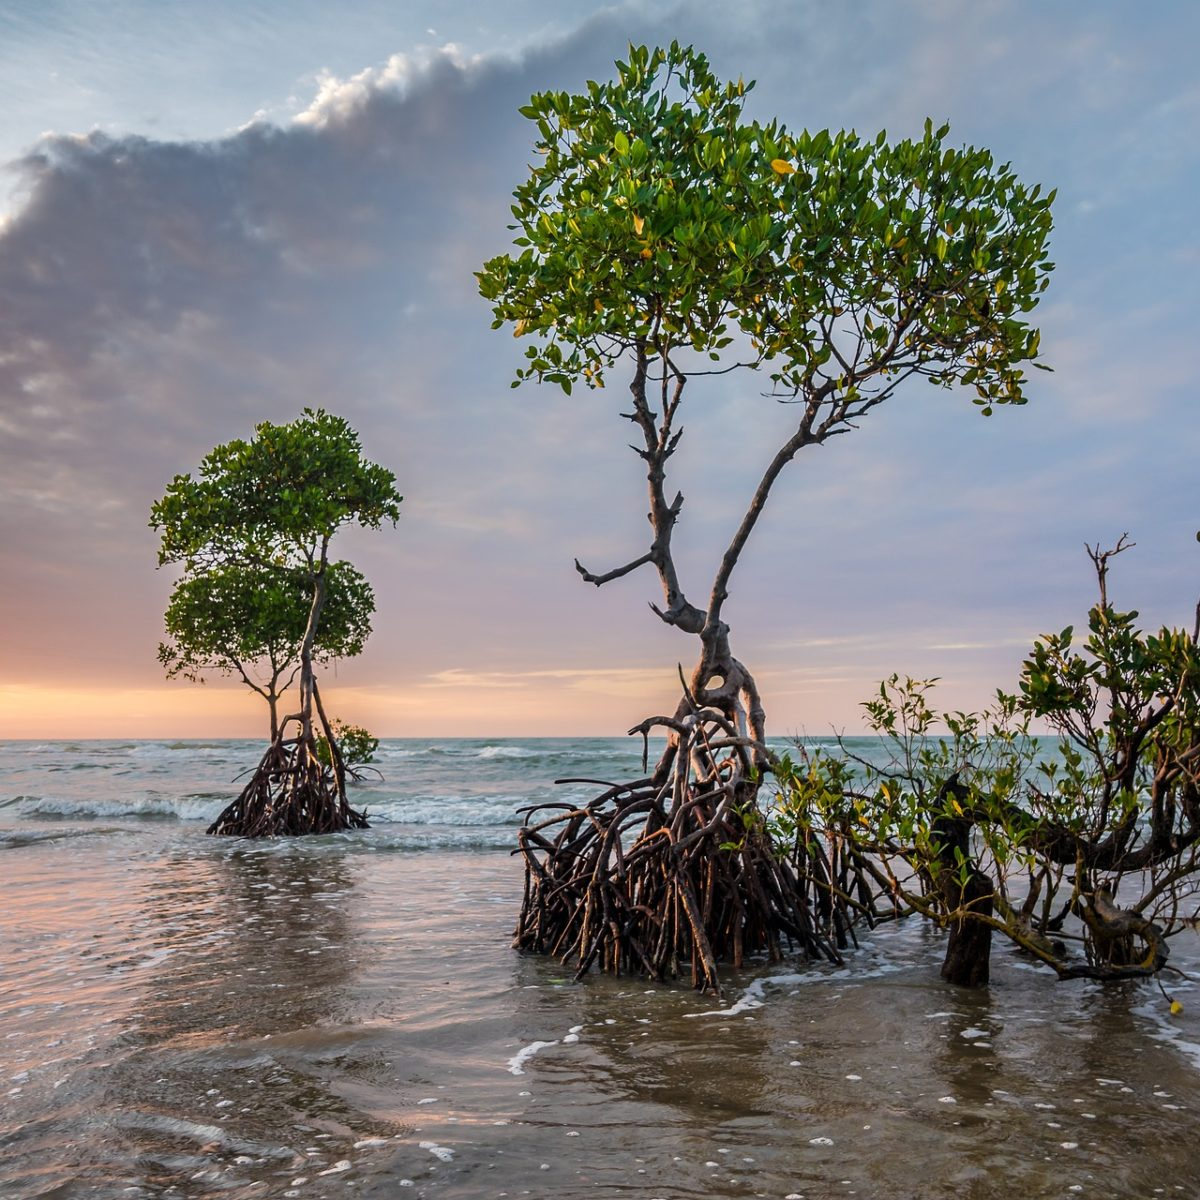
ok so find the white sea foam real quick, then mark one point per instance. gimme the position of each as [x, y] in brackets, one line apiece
[1164, 1028]
[754, 995]
[447, 809]
[507, 752]
[751, 999]
[516, 1064]
[144, 805]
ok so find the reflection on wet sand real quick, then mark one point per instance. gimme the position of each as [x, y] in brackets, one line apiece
[915, 1090]
[249, 1049]
[272, 927]
[322, 1019]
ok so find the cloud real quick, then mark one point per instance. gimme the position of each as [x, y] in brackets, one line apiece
[165, 296]
[162, 296]
[609, 681]
[343, 101]
[995, 644]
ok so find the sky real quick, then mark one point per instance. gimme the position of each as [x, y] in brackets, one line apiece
[216, 214]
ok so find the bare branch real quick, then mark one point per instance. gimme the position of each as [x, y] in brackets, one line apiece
[617, 573]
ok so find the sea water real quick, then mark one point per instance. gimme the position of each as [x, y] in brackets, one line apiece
[184, 1016]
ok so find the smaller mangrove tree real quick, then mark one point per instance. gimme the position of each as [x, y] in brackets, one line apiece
[249, 620]
[1082, 849]
[252, 533]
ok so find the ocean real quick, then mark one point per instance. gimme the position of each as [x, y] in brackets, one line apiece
[185, 1016]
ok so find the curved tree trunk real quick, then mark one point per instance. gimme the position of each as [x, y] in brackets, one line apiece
[969, 947]
[720, 681]
[307, 678]
[678, 867]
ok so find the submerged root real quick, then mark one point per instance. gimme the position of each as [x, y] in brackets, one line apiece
[291, 792]
[673, 871]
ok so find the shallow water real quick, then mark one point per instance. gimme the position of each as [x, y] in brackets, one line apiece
[192, 1017]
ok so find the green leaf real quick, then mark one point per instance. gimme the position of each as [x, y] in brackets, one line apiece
[252, 533]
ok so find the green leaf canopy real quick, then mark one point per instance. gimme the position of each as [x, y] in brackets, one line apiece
[230, 618]
[660, 218]
[276, 499]
[258, 595]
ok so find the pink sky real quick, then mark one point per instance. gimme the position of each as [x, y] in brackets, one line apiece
[224, 248]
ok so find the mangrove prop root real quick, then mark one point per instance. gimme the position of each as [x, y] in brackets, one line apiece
[1114, 932]
[674, 870]
[291, 792]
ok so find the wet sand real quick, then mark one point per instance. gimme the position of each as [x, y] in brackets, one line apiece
[187, 1017]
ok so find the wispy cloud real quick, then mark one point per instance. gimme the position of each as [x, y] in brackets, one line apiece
[994, 644]
[609, 680]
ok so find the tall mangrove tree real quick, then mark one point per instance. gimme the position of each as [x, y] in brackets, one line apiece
[664, 235]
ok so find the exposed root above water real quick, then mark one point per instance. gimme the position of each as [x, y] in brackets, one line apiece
[291, 792]
[673, 872]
